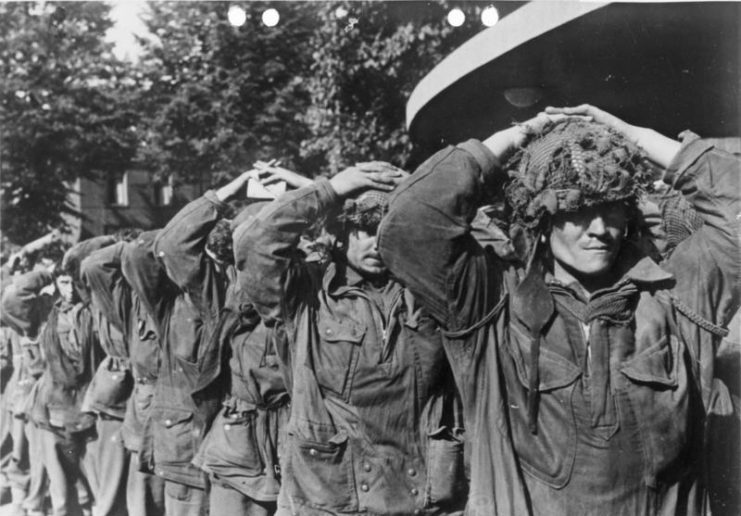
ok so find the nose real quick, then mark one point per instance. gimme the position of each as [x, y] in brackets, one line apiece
[597, 226]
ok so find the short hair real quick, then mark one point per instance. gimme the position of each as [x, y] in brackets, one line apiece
[220, 243]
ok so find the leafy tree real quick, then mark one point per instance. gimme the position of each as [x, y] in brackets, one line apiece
[66, 109]
[369, 57]
[221, 97]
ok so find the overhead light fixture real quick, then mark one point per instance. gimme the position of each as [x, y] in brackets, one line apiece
[523, 97]
[236, 16]
[490, 16]
[456, 17]
[270, 17]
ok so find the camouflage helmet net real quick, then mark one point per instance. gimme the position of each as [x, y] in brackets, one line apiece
[571, 165]
[367, 210]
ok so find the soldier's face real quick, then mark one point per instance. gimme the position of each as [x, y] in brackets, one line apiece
[64, 287]
[362, 253]
[586, 243]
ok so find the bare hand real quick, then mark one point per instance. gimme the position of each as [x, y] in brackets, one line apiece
[366, 176]
[270, 173]
[596, 114]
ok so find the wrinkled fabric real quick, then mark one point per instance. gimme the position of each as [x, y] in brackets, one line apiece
[241, 448]
[183, 292]
[372, 429]
[618, 432]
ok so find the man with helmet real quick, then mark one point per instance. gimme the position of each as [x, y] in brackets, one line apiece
[373, 427]
[586, 369]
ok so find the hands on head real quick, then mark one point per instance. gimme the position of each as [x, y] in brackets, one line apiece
[658, 148]
[368, 175]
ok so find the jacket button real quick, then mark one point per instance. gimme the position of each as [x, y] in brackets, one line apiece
[366, 467]
[412, 472]
[364, 487]
[328, 331]
[168, 422]
[114, 377]
[227, 427]
[161, 254]
[313, 452]
[415, 491]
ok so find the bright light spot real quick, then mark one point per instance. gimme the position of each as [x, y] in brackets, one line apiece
[490, 16]
[456, 17]
[236, 15]
[340, 12]
[270, 18]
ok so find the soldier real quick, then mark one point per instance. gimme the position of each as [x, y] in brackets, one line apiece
[586, 372]
[196, 253]
[123, 385]
[372, 427]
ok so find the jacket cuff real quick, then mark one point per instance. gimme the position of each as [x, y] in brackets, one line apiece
[210, 196]
[485, 158]
[325, 192]
[692, 148]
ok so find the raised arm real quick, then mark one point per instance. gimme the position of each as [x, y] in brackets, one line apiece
[146, 276]
[181, 245]
[269, 267]
[110, 292]
[265, 248]
[23, 306]
[425, 238]
[707, 265]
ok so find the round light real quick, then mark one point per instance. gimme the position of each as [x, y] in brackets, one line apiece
[490, 16]
[340, 12]
[270, 18]
[236, 15]
[456, 17]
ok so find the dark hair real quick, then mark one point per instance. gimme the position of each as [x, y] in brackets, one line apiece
[127, 234]
[220, 241]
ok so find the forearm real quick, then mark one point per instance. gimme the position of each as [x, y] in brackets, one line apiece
[110, 293]
[425, 237]
[266, 246]
[707, 264]
[181, 244]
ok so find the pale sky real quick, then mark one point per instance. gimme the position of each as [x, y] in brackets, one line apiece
[125, 13]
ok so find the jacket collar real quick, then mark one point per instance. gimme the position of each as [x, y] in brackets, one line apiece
[532, 303]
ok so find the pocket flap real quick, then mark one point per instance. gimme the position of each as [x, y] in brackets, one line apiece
[657, 365]
[554, 371]
[332, 331]
[170, 416]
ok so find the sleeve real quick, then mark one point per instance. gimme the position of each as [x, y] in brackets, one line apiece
[269, 268]
[22, 304]
[426, 242]
[181, 244]
[147, 277]
[707, 265]
[109, 292]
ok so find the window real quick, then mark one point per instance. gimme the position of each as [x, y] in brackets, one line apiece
[118, 190]
[163, 191]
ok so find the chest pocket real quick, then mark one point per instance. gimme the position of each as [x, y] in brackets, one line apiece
[549, 454]
[335, 354]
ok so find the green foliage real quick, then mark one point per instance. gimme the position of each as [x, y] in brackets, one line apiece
[66, 109]
[369, 57]
[221, 96]
[324, 88]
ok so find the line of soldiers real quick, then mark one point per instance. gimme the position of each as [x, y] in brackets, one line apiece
[323, 352]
